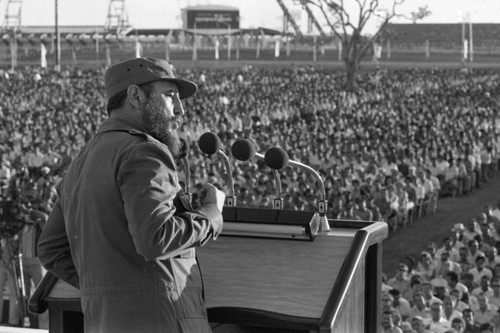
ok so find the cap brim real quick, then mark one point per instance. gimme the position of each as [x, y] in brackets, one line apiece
[186, 88]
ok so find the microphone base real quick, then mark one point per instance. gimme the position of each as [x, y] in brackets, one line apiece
[323, 224]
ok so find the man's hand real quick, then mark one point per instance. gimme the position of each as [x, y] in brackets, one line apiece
[209, 194]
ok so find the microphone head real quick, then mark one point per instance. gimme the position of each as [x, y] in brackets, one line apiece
[276, 158]
[209, 143]
[184, 149]
[243, 149]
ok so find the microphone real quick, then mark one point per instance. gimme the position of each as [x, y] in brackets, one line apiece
[210, 144]
[183, 152]
[244, 150]
[277, 158]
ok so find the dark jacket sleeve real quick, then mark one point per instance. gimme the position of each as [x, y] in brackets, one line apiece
[147, 179]
[53, 248]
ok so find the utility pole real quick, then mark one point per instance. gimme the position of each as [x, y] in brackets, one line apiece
[12, 24]
[58, 39]
[463, 44]
[471, 46]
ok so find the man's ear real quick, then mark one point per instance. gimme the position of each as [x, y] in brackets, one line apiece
[135, 96]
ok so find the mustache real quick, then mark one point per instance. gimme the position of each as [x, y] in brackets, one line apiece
[178, 120]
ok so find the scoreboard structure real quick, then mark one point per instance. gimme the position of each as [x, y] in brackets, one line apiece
[211, 17]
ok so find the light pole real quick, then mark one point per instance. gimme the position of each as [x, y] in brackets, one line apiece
[471, 48]
[228, 38]
[195, 49]
[58, 38]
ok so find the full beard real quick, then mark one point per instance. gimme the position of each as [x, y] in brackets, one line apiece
[161, 126]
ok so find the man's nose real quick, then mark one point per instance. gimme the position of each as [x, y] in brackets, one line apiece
[178, 108]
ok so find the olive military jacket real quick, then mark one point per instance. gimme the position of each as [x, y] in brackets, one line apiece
[118, 233]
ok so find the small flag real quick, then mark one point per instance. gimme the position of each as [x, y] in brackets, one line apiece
[138, 49]
[43, 56]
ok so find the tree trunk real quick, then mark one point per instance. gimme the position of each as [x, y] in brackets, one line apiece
[351, 67]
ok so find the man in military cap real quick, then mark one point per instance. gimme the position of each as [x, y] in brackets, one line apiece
[119, 231]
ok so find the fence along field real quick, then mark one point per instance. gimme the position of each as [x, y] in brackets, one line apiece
[404, 45]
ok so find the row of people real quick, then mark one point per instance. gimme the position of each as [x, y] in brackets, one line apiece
[458, 282]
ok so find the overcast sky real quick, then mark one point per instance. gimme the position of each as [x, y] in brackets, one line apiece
[253, 13]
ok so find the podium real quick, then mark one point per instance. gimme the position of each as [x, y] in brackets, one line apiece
[330, 283]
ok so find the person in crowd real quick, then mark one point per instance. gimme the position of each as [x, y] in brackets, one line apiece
[419, 325]
[492, 257]
[468, 280]
[470, 321]
[484, 287]
[416, 282]
[484, 312]
[437, 323]
[449, 310]
[494, 298]
[457, 237]
[452, 278]
[464, 260]
[387, 301]
[460, 305]
[401, 281]
[388, 322]
[457, 325]
[471, 231]
[428, 291]
[483, 242]
[448, 246]
[440, 287]
[400, 304]
[426, 266]
[406, 327]
[420, 307]
[445, 265]
[480, 269]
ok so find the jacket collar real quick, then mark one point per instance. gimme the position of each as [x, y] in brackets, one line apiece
[120, 124]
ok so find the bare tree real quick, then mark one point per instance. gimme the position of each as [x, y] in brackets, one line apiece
[349, 25]
[420, 14]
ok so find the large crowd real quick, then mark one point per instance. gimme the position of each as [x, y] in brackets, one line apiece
[386, 152]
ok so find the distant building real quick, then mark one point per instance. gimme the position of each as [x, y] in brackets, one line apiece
[211, 17]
